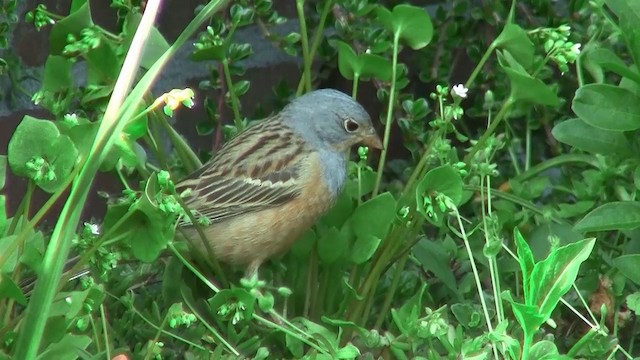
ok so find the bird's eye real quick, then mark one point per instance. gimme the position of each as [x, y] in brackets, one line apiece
[351, 125]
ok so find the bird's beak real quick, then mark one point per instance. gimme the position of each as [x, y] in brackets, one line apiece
[372, 140]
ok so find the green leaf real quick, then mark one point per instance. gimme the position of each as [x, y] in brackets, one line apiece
[515, 40]
[35, 138]
[103, 65]
[580, 135]
[213, 52]
[411, 23]
[362, 66]
[9, 290]
[628, 13]
[525, 259]
[364, 248]
[382, 208]
[527, 315]
[608, 60]
[544, 349]
[527, 88]
[552, 277]
[70, 347]
[408, 314]
[434, 258]
[349, 351]
[332, 245]
[445, 180]
[349, 63]
[607, 107]
[72, 24]
[155, 44]
[629, 266]
[616, 215]
[57, 74]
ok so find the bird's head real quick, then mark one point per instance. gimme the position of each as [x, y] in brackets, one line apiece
[331, 118]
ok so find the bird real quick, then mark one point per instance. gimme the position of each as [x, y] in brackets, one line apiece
[269, 184]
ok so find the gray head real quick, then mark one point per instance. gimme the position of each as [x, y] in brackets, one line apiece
[331, 118]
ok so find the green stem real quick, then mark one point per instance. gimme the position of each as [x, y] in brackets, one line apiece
[317, 37]
[391, 292]
[556, 162]
[155, 339]
[118, 111]
[476, 274]
[490, 130]
[235, 103]
[189, 159]
[306, 55]
[354, 88]
[387, 126]
[480, 65]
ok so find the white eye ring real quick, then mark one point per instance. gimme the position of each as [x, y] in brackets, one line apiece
[351, 125]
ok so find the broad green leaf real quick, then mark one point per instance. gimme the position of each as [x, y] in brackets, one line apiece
[57, 74]
[617, 215]
[525, 87]
[374, 217]
[579, 134]
[552, 277]
[103, 64]
[608, 60]
[70, 347]
[607, 107]
[629, 266]
[527, 316]
[303, 246]
[349, 351]
[544, 349]
[364, 248]
[155, 45]
[433, 256]
[72, 24]
[467, 315]
[332, 245]
[445, 180]
[628, 13]
[152, 227]
[515, 40]
[35, 138]
[9, 290]
[375, 66]
[213, 52]
[525, 259]
[411, 23]
[408, 314]
[348, 62]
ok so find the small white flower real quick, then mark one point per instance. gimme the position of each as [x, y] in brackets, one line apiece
[94, 228]
[460, 90]
[576, 49]
[68, 300]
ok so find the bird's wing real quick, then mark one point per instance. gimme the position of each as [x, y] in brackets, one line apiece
[258, 169]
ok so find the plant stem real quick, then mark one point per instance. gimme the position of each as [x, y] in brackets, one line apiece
[391, 292]
[118, 111]
[480, 65]
[235, 103]
[390, 108]
[317, 37]
[490, 130]
[306, 55]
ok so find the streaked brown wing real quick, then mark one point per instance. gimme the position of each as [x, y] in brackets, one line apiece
[256, 170]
